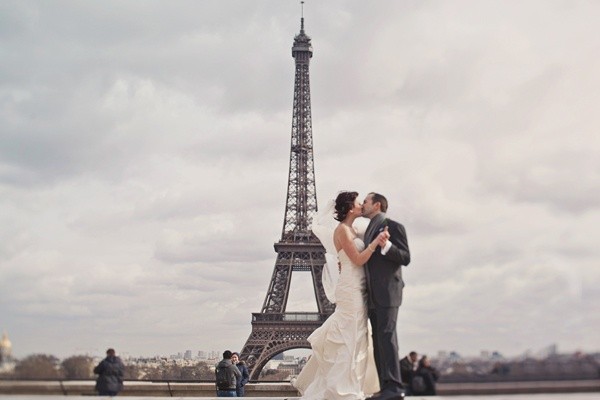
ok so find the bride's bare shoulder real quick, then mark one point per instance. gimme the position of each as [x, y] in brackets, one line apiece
[344, 231]
[342, 228]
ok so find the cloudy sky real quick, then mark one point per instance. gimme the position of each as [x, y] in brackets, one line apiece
[144, 149]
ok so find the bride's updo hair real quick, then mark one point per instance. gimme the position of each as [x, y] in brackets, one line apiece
[343, 204]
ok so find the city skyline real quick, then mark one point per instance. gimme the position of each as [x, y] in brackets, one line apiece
[212, 354]
[144, 152]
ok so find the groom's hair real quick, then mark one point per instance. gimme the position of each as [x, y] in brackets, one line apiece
[379, 198]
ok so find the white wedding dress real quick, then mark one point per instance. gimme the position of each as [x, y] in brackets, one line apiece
[341, 366]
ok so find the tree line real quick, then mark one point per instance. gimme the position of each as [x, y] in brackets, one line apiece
[44, 366]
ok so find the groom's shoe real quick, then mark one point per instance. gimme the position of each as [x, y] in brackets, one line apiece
[386, 395]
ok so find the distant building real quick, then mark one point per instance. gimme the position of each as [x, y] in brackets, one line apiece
[7, 363]
[290, 368]
[5, 348]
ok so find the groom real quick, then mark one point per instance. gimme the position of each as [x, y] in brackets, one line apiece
[384, 285]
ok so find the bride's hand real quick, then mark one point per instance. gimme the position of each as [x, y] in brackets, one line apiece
[380, 240]
[383, 237]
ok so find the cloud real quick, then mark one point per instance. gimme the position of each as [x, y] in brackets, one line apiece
[144, 156]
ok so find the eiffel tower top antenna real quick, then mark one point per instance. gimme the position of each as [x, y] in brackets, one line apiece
[301, 17]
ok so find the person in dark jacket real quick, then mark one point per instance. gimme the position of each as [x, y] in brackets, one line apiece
[408, 366]
[110, 374]
[227, 376]
[429, 375]
[240, 383]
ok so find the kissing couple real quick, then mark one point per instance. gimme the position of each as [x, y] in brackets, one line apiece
[345, 363]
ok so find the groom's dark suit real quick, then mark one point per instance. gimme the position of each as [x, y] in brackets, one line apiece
[384, 286]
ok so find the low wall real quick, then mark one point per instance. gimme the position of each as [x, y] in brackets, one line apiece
[284, 389]
[491, 388]
[141, 389]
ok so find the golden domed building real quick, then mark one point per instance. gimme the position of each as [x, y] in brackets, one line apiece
[6, 361]
[5, 348]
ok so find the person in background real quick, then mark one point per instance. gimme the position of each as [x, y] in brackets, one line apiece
[110, 374]
[429, 375]
[408, 366]
[227, 375]
[240, 383]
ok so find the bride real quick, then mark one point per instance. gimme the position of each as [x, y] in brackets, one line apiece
[341, 366]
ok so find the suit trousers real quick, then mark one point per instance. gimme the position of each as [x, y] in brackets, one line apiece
[385, 347]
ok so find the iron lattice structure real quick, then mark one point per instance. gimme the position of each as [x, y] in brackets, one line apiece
[273, 329]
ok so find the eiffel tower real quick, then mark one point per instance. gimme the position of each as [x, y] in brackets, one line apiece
[273, 329]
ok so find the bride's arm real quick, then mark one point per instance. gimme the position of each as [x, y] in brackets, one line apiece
[344, 239]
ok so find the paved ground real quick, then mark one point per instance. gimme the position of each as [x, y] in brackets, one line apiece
[543, 396]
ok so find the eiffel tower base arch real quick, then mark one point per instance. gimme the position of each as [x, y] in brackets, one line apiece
[275, 333]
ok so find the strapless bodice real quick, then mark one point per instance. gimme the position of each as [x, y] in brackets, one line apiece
[343, 257]
[351, 283]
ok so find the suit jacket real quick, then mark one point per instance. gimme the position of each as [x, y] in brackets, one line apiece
[384, 272]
